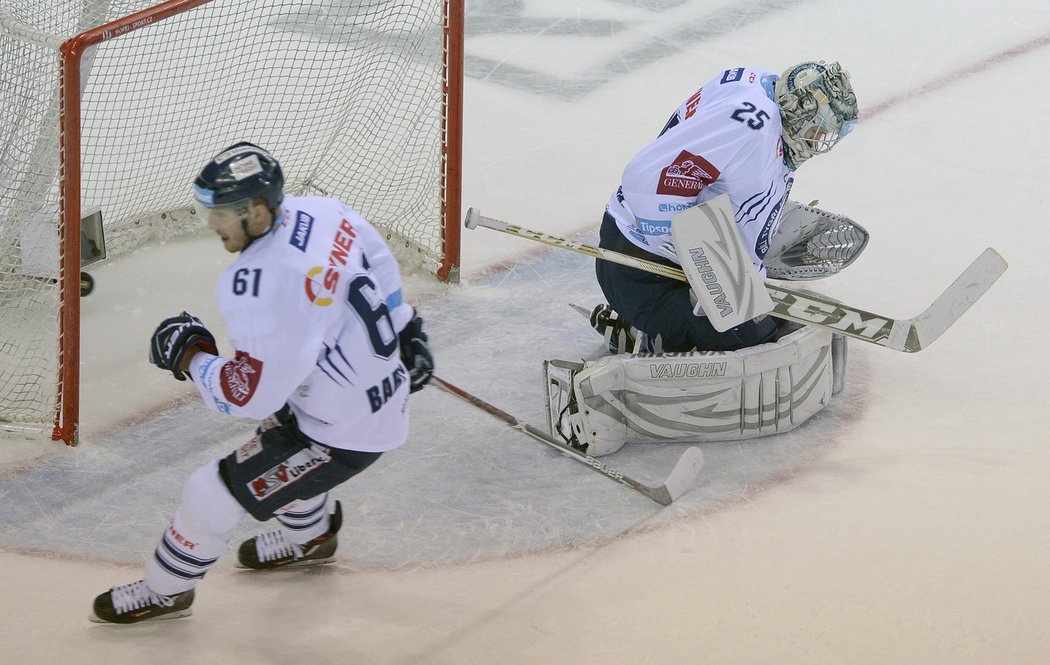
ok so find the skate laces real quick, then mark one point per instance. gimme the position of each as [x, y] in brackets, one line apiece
[273, 545]
[136, 596]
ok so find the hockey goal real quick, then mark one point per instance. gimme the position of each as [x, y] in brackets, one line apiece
[110, 107]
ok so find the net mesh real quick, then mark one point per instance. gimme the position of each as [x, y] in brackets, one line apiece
[348, 96]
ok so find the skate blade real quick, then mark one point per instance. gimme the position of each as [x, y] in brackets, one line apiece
[94, 618]
[309, 563]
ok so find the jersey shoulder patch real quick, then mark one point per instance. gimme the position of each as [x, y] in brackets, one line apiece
[240, 377]
[302, 228]
[732, 75]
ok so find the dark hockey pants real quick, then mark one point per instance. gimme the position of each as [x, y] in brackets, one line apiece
[281, 465]
[660, 306]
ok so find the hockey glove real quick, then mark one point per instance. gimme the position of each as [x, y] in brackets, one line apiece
[416, 354]
[174, 337]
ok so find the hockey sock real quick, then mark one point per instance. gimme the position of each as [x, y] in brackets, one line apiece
[305, 519]
[197, 535]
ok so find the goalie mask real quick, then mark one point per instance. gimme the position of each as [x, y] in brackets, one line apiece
[817, 108]
[227, 185]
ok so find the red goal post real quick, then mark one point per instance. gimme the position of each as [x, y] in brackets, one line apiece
[362, 103]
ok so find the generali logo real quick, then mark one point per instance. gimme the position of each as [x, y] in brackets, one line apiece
[686, 175]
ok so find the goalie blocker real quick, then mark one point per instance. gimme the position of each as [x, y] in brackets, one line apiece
[699, 396]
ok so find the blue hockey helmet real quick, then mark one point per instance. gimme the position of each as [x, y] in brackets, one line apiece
[817, 109]
[237, 175]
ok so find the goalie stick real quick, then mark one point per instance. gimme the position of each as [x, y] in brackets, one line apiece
[681, 476]
[908, 335]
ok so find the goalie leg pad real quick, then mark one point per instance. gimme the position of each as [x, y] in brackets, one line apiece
[724, 396]
[602, 436]
[838, 364]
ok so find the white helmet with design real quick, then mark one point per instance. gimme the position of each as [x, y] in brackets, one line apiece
[817, 108]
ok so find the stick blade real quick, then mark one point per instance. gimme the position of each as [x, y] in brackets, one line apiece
[682, 476]
[582, 310]
[966, 290]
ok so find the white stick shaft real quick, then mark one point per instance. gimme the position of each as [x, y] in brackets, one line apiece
[475, 219]
[812, 309]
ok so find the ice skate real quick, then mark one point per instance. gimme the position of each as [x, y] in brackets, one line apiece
[135, 602]
[272, 550]
[618, 334]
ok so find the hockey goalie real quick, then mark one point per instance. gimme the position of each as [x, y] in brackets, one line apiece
[701, 360]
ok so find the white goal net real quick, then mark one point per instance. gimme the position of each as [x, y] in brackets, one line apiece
[352, 97]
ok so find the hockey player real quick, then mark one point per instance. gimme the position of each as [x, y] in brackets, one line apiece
[742, 134]
[326, 352]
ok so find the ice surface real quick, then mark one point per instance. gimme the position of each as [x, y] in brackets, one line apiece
[906, 523]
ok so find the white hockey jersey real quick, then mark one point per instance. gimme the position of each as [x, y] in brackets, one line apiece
[725, 139]
[313, 310]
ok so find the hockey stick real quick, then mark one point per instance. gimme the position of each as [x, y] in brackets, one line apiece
[682, 475]
[908, 335]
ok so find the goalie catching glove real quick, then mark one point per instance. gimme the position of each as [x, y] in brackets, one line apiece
[811, 243]
[415, 353]
[173, 339]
